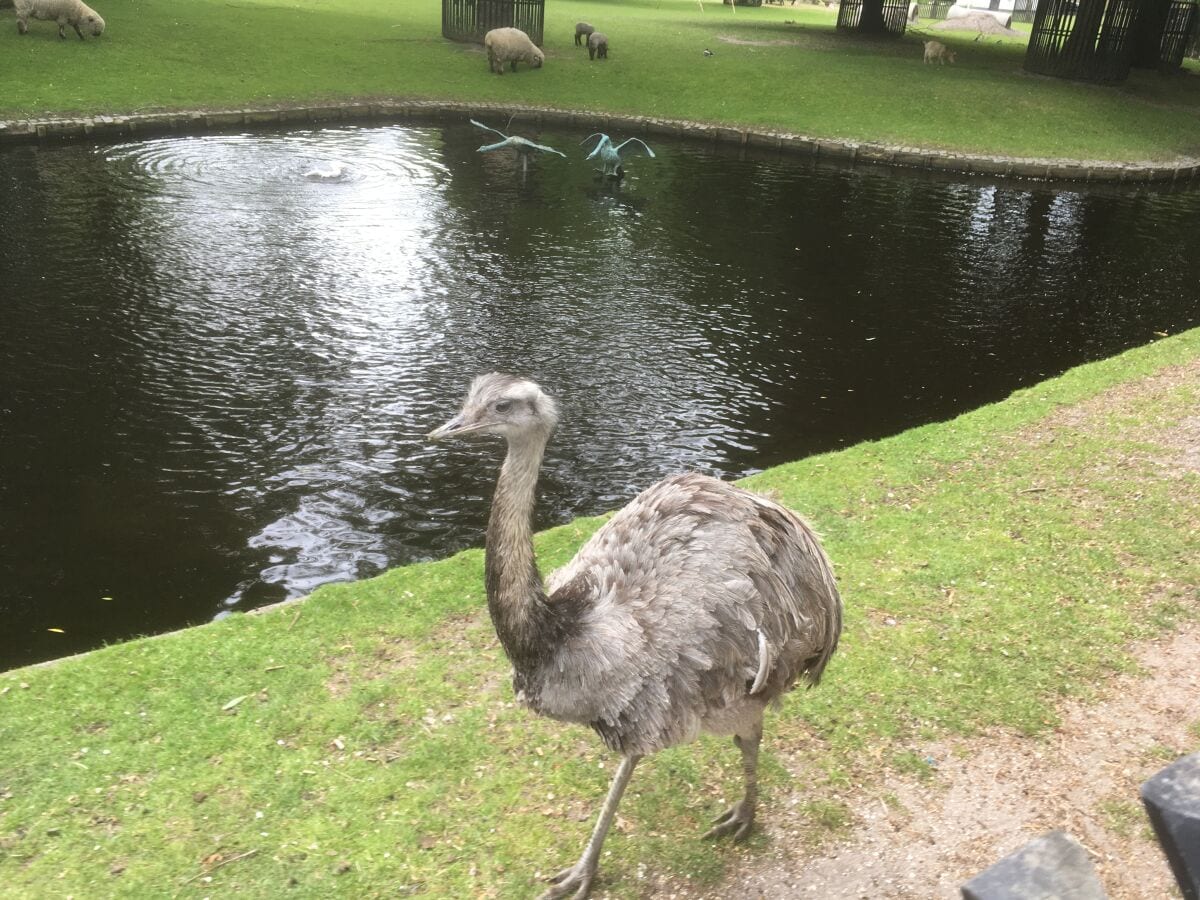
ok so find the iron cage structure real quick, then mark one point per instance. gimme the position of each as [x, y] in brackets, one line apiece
[469, 20]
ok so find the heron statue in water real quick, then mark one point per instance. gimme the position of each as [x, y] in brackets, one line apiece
[524, 147]
[613, 155]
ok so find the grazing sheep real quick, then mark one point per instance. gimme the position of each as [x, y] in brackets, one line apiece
[936, 50]
[75, 13]
[597, 45]
[582, 30]
[511, 45]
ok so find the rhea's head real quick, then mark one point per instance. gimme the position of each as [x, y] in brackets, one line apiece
[502, 405]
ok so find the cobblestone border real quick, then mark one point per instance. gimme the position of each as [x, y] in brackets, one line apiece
[157, 123]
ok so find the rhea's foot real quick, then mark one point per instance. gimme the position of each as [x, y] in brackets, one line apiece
[577, 878]
[738, 820]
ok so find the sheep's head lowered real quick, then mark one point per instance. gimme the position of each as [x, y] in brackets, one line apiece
[93, 23]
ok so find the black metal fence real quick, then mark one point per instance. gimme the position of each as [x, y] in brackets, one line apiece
[895, 15]
[1179, 35]
[470, 20]
[1085, 41]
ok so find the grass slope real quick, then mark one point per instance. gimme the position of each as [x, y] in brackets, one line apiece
[366, 740]
[789, 71]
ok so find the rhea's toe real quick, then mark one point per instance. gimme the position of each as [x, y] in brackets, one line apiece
[738, 820]
[577, 879]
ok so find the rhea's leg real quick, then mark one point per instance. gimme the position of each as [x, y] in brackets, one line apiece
[738, 820]
[578, 878]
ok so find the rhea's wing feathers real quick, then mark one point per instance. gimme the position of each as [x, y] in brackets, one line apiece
[621, 148]
[488, 128]
[688, 587]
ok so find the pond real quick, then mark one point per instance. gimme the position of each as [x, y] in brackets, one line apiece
[219, 354]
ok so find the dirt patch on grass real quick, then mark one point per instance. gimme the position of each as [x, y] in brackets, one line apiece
[981, 23]
[1178, 441]
[808, 41]
[1180, 438]
[923, 837]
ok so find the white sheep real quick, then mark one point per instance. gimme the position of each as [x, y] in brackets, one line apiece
[75, 13]
[511, 45]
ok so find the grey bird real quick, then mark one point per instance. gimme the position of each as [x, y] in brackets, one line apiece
[613, 155]
[690, 610]
[522, 146]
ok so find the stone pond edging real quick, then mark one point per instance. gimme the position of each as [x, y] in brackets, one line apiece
[149, 124]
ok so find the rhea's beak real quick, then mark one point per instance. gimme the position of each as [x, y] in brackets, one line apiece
[456, 427]
[450, 429]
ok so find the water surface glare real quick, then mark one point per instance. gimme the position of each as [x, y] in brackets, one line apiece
[219, 354]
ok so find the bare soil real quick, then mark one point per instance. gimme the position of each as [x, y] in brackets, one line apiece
[981, 23]
[992, 794]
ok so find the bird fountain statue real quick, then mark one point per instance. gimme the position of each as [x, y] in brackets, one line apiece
[522, 146]
[613, 155]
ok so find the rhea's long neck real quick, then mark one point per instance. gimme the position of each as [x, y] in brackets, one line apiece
[516, 598]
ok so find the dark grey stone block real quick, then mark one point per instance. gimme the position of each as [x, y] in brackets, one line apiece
[1172, 799]
[1052, 867]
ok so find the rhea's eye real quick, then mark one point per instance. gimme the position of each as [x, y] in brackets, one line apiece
[503, 406]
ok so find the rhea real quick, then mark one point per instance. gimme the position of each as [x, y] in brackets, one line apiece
[690, 610]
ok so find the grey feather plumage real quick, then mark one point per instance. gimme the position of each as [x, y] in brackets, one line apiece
[691, 609]
[679, 585]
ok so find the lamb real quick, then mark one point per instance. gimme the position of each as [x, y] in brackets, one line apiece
[597, 45]
[939, 51]
[582, 30]
[75, 13]
[511, 45]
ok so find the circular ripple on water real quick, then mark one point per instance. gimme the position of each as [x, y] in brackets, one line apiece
[254, 165]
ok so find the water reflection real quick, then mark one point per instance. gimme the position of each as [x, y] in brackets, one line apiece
[216, 384]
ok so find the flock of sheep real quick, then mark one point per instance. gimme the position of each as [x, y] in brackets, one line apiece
[512, 45]
[503, 45]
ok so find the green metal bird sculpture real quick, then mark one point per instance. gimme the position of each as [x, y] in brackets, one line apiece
[524, 148]
[613, 155]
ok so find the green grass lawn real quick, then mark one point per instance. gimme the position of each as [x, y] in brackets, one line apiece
[785, 68]
[366, 743]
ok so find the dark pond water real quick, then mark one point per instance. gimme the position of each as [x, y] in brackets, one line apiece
[219, 354]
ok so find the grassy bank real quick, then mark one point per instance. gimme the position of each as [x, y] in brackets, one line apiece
[366, 739]
[773, 67]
